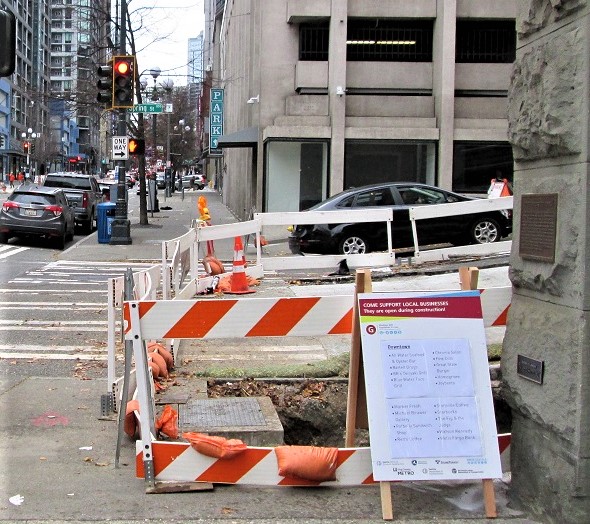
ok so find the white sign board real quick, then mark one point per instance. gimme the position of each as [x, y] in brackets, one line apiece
[429, 398]
[120, 148]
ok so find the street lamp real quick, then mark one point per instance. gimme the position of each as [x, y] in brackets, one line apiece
[28, 138]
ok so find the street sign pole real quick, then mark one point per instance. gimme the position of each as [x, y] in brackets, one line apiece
[121, 227]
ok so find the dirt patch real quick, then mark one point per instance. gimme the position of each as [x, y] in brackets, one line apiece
[313, 412]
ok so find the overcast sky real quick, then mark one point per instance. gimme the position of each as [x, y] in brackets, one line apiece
[162, 40]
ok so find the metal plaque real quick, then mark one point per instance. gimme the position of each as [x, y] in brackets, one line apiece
[538, 227]
[530, 368]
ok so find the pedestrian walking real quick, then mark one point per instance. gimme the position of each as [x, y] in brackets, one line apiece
[21, 178]
[11, 179]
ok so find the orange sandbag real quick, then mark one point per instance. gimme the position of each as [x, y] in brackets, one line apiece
[213, 446]
[307, 462]
[168, 422]
[155, 368]
[212, 265]
[161, 363]
[161, 349]
[130, 424]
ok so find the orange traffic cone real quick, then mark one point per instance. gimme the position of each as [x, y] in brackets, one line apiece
[238, 279]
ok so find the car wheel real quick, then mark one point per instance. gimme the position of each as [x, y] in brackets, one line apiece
[89, 226]
[352, 245]
[60, 241]
[484, 231]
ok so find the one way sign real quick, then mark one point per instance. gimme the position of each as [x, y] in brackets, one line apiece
[120, 145]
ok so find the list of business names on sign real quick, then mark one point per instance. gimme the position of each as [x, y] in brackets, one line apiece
[430, 406]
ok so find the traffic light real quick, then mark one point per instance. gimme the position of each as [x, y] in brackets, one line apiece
[1, 141]
[32, 148]
[136, 146]
[105, 85]
[123, 81]
[26, 147]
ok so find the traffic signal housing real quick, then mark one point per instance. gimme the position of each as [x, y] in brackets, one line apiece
[136, 146]
[32, 148]
[123, 81]
[7, 43]
[27, 147]
[105, 85]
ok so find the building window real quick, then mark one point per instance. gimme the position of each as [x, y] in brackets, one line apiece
[476, 163]
[314, 40]
[485, 41]
[296, 175]
[373, 162]
[389, 40]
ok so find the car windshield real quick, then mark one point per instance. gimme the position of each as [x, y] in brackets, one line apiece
[33, 199]
[67, 182]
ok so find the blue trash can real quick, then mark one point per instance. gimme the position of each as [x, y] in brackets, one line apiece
[105, 214]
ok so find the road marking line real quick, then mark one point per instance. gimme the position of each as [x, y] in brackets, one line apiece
[49, 356]
[15, 251]
[23, 348]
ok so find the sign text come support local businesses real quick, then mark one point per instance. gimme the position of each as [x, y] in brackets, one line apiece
[431, 412]
[215, 120]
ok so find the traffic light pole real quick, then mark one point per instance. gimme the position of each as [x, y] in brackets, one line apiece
[121, 227]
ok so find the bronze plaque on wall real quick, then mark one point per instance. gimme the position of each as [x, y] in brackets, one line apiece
[538, 227]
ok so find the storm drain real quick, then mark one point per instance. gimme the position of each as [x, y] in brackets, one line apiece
[216, 413]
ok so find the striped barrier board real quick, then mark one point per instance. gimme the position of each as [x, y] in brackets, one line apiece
[268, 317]
[178, 461]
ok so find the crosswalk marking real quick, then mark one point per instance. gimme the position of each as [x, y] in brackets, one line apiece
[8, 251]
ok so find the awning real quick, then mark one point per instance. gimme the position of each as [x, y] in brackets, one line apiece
[244, 138]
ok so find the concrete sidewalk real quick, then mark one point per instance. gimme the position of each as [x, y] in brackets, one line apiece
[58, 455]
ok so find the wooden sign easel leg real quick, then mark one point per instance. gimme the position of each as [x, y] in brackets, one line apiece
[468, 277]
[386, 500]
[356, 406]
[489, 498]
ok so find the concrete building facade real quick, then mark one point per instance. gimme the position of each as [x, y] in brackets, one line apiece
[321, 95]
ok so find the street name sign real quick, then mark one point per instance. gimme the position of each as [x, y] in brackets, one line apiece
[146, 108]
[120, 147]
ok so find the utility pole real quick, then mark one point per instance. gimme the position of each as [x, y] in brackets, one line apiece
[121, 227]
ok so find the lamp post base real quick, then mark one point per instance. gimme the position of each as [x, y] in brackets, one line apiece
[120, 232]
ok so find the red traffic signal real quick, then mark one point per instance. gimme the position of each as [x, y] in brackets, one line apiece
[26, 147]
[123, 81]
[136, 146]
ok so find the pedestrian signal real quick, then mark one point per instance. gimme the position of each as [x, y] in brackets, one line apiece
[136, 146]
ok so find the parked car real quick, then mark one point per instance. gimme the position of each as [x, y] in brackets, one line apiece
[130, 179]
[196, 181]
[476, 228]
[83, 194]
[33, 210]
[160, 179]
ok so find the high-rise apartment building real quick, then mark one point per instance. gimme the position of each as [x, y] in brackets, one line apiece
[79, 31]
[23, 95]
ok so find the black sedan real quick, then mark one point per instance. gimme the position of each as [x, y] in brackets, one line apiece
[475, 228]
[37, 211]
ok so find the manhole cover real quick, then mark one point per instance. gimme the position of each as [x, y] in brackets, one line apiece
[222, 412]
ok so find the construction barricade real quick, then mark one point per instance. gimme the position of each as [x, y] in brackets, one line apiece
[244, 318]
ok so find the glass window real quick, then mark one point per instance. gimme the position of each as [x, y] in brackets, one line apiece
[375, 197]
[416, 196]
[485, 41]
[314, 40]
[372, 162]
[389, 40]
[476, 163]
[296, 175]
